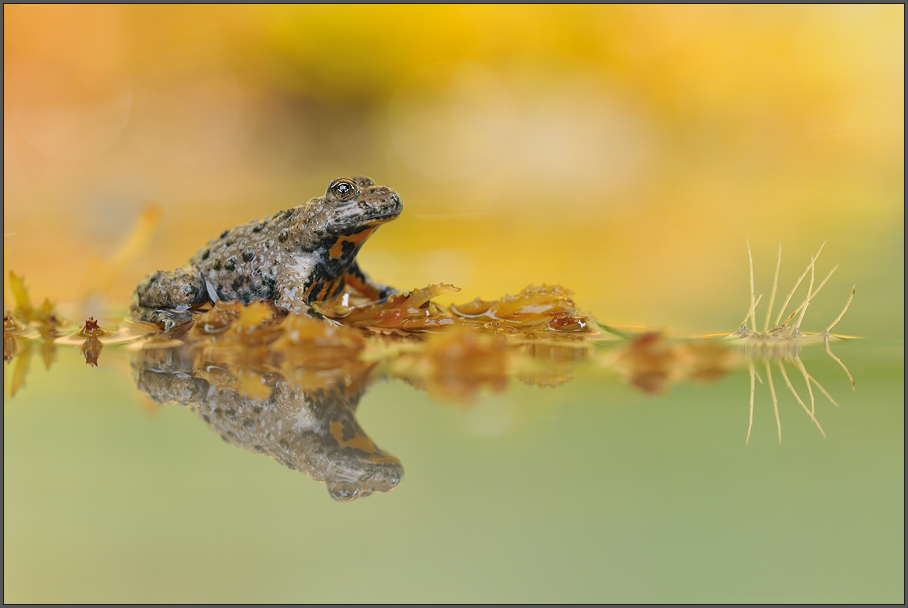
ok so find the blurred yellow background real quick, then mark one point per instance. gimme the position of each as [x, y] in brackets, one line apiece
[625, 152]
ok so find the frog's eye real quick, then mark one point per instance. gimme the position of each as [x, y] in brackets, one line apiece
[342, 190]
[343, 491]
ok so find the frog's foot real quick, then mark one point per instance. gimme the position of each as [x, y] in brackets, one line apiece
[288, 306]
[167, 319]
[361, 282]
[164, 298]
[314, 314]
[386, 293]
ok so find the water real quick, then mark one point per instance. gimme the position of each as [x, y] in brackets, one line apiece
[590, 491]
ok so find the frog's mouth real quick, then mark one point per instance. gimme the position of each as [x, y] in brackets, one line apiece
[362, 224]
[381, 219]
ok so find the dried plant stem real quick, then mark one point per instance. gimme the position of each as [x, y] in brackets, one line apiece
[788, 320]
[775, 284]
[750, 312]
[805, 303]
[753, 302]
[779, 342]
[839, 318]
[797, 284]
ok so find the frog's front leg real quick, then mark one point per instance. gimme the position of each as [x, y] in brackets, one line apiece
[166, 297]
[296, 285]
[360, 281]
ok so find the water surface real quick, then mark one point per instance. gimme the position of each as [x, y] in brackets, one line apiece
[592, 490]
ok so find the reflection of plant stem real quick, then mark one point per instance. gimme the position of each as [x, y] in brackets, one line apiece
[20, 368]
[782, 340]
[808, 379]
[798, 397]
[807, 382]
[775, 401]
[828, 396]
[753, 391]
[829, 352]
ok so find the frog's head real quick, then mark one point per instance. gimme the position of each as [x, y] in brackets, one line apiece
[382, 479]
[355, 466]
[341, 221]
[337, 224]
[352, 203]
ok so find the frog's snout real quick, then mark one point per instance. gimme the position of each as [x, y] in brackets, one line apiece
[385, 203]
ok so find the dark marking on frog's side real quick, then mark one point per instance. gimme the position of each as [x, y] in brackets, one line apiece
[295, 257]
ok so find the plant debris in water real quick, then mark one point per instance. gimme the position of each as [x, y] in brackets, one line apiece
[535, 312]
[453, 352]
[781, 342]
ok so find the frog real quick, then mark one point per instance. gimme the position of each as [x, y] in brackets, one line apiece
[294, 258]
[308, 424]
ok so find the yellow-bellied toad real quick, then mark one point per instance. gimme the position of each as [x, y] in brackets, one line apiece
[295, 257]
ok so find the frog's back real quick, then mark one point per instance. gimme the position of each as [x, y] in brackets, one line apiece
[243, 264]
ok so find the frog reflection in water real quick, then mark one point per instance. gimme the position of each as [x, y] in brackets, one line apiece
[298, 256]
[313, 431]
